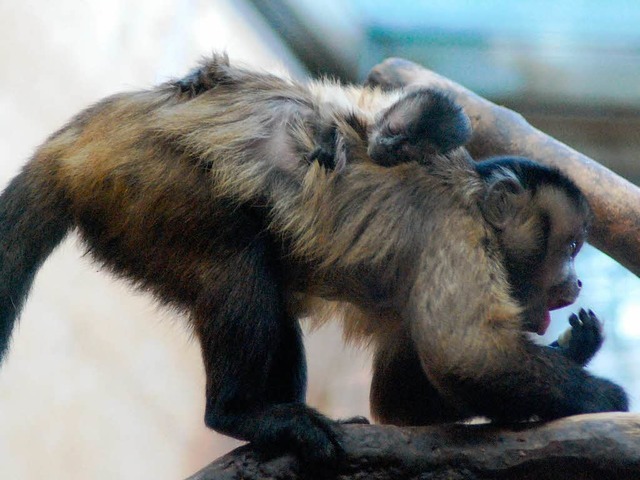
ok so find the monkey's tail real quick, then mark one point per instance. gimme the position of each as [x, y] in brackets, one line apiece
[34, 218]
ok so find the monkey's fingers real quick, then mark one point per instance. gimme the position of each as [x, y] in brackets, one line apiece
[574, 321]
[592, 325]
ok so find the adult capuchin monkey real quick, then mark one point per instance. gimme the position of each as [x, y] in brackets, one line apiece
[249, 201]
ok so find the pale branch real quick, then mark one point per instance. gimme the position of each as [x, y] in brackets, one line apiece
[498, 131]
[599, 446]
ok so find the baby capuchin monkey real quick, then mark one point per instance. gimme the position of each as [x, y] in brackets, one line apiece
[249, 201]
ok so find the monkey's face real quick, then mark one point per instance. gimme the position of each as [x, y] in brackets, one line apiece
[556, 286]
[541, 219]
[541, 249]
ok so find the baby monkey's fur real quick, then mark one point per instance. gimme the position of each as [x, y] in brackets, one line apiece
[249, 201]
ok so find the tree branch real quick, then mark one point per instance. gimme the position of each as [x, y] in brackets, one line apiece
[498, 131]
[599, 446]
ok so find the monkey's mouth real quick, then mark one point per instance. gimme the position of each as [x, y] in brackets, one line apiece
[537, 320]
[542, 326]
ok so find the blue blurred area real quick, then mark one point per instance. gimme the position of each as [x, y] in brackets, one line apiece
[571, 52]
[592, 20]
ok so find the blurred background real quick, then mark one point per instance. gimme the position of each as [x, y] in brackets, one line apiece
[100, 383]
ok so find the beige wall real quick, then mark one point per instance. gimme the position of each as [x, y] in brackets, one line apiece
[99, 382]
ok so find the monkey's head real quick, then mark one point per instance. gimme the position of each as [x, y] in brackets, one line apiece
[541, 219]
[418, 125]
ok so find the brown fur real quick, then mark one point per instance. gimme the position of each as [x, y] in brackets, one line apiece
[201, 193]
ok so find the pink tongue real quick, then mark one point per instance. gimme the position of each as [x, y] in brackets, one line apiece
[542, 328]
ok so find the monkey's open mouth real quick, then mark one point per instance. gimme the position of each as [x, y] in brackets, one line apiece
[537, 320]
[544, 324]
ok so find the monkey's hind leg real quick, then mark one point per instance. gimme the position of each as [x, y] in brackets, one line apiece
[255, 364]
[401, 394]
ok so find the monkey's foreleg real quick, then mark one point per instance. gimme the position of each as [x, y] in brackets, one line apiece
[473, 350]
[401, 393]
[501, 375]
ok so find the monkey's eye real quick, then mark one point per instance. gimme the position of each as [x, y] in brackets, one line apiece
[573, 248]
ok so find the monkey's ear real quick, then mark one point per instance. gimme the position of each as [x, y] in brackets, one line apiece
[504, 199]
[422, 122]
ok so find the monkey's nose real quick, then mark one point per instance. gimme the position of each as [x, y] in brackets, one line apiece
[579, 284]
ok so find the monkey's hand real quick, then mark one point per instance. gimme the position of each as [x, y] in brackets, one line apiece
[324, 156]
[583, 340]
[325, 151]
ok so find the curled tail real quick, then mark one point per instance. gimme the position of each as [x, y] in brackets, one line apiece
[34, 218]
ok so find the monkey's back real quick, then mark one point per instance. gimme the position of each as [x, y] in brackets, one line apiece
[148, 203]
[164, 187]
[168, 190]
